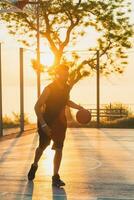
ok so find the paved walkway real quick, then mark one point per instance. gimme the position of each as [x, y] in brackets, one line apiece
[97, 165]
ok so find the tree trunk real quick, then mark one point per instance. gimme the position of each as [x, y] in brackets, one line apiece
[57, 58]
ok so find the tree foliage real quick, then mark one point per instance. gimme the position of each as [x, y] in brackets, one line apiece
[62, 22]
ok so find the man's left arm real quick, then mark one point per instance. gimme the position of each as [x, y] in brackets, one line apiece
[74, 105]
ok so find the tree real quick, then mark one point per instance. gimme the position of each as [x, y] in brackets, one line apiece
[62, 22]
[36, 67]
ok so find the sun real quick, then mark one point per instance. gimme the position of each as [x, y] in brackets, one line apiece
[46, 55]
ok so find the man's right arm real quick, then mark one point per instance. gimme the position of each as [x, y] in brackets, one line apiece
[41, 102]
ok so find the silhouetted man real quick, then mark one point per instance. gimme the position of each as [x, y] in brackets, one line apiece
[52, 122]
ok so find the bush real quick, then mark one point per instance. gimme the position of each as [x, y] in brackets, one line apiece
[10, 122]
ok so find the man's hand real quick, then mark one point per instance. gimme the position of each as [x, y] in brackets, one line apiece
[80, 108]
[47, 130]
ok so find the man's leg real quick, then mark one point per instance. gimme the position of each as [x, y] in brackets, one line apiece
[56, 181]
[44, 141]
[57, 160]
[34, 166]
[38, 154]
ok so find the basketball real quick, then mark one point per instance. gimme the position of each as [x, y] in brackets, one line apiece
[83, 116]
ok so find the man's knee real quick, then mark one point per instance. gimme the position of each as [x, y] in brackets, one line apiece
[58, 150]
[41, 148]
[57, 146]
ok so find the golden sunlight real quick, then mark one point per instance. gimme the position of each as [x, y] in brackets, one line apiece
[48, 161]
[46, 56]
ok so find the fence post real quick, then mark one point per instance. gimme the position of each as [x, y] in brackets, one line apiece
[98, 88]
[110, 112]
[21, 92]
[1, 120]
[121, 113]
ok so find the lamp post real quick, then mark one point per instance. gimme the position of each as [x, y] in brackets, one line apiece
[98, 88]
[38, 50]
[38, 43]
[21, 92]
[1, 123]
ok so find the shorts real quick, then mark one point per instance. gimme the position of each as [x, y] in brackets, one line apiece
[58, 135]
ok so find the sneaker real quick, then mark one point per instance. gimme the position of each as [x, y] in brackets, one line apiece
[32, 171]
[56, 181]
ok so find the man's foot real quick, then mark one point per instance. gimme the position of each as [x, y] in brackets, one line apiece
[32, 171]
[56, 181]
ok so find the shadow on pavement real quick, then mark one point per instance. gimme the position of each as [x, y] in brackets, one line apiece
[27, 191]
[58, 194]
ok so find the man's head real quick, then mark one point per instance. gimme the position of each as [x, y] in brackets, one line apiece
[62, 72]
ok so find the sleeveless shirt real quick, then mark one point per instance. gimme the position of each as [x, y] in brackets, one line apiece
[56, 102]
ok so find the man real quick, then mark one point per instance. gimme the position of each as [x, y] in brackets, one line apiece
[52, 122]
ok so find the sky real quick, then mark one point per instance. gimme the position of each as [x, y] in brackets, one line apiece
[117, 88]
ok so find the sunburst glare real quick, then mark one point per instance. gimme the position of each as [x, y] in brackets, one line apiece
[46, 56]
[48, 161]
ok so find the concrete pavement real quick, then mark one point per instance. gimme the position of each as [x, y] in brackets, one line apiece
[97, 165]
